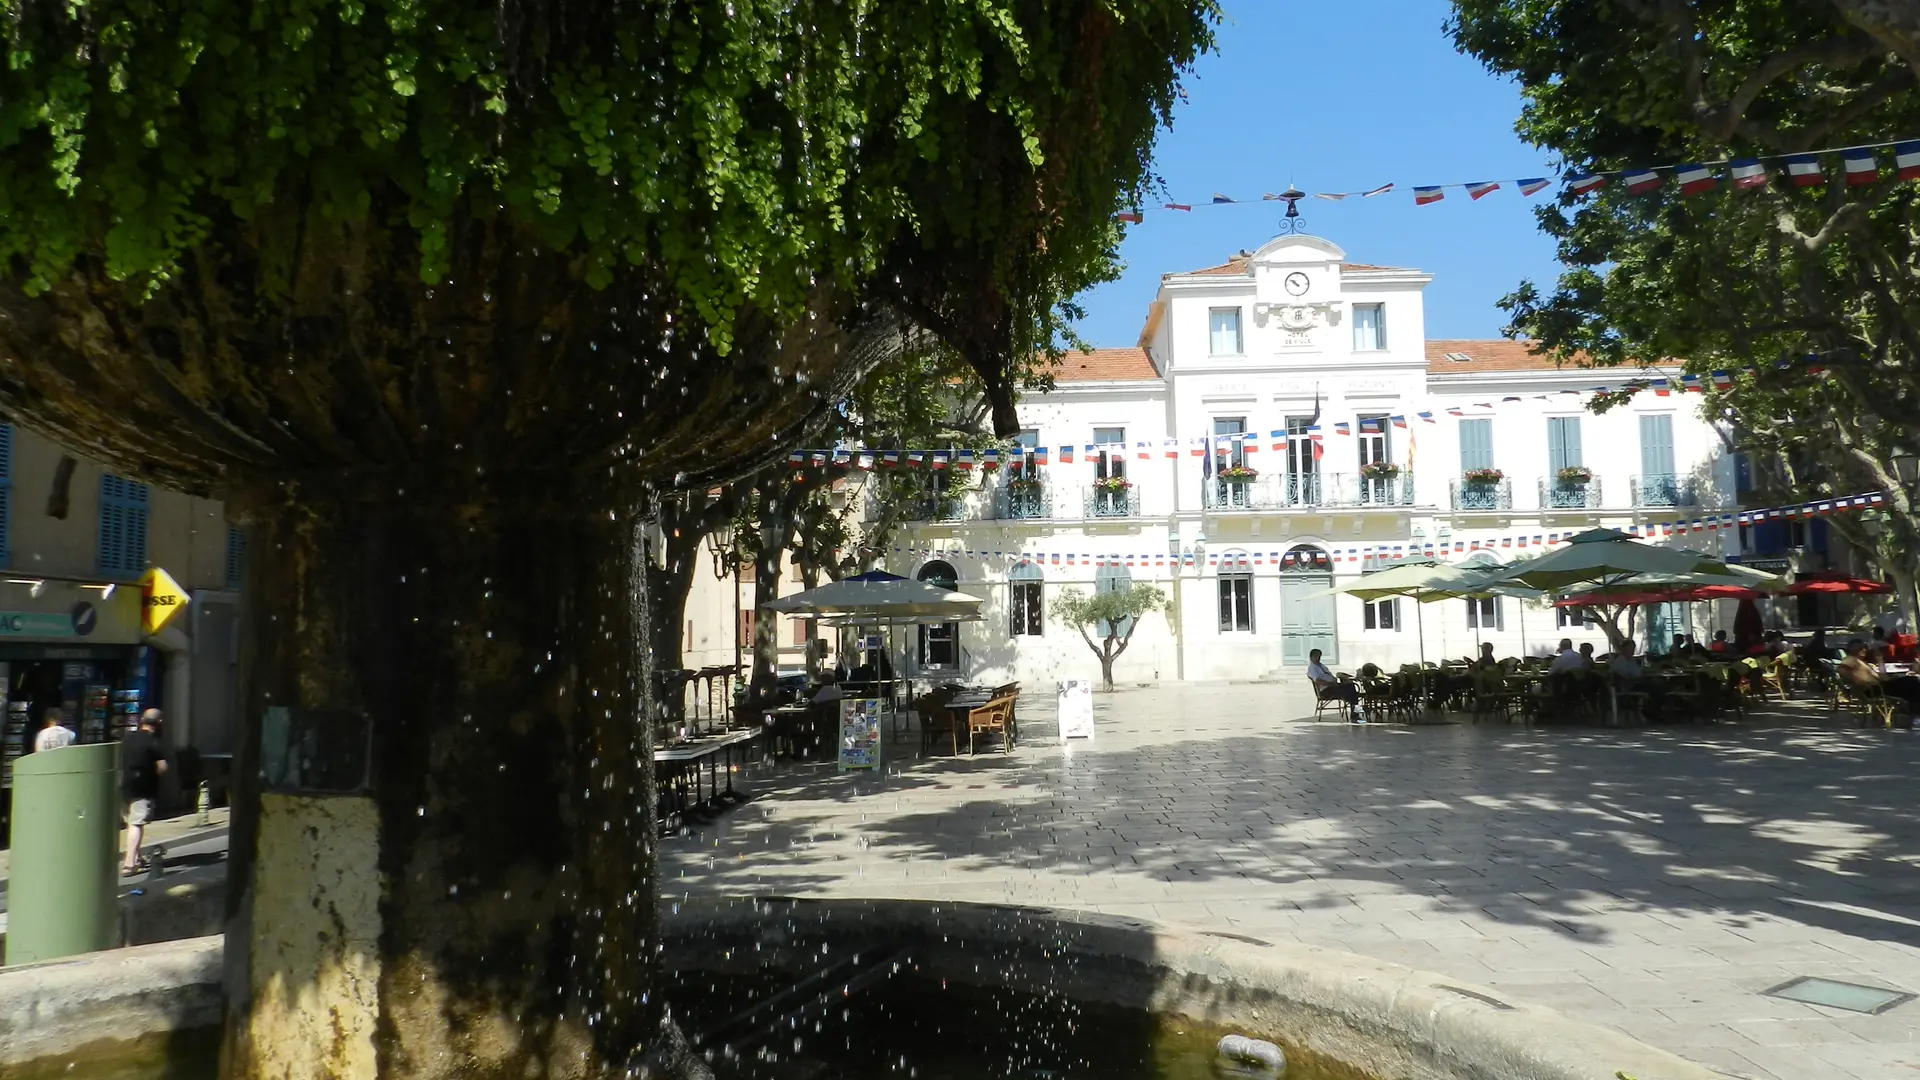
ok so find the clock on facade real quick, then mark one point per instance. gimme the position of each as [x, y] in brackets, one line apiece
[1296, 283]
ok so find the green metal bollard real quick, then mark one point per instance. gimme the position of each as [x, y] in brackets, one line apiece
[63, 888]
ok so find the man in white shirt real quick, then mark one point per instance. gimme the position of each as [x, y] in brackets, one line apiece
[1328, 685]
[1568, 660]
[53, 733]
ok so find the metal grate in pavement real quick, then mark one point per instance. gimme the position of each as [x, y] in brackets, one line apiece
[1852, 997]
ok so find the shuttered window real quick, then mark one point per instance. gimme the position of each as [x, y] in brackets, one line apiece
[6, 494]
[236, 557]
[1563, 443]
[123, 526]
[1476, 445]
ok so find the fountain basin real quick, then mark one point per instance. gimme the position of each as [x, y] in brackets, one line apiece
[132, 1011]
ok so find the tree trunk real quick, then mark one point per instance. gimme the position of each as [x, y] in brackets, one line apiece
[454, 878]
[1106, 667]
[669, 582]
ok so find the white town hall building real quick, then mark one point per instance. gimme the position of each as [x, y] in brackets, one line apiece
[1473, 449]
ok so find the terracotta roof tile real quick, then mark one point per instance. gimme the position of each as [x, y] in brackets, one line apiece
[1238, 265]
[1497, 354]
[1104, 365]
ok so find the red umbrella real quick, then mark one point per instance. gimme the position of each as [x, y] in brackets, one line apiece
[1829, 582]
[1683, 594]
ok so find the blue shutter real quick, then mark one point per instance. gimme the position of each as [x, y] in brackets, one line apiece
[123, 526]
[6, 493]
[236, 557]
[1476, 444]
[1656, 447]
[1563, 443]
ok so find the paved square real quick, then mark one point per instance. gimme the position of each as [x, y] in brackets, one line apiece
[1657, 880]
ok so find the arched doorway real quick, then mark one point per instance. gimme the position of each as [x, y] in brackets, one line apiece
[939, 642]
[1307, 616]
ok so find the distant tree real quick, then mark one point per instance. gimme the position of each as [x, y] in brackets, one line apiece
[1731, 279]
[1119, 612]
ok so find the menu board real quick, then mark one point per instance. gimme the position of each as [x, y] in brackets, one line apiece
[1076, 709]
[860, 733]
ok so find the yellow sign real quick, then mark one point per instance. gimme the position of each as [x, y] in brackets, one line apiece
[161, 598]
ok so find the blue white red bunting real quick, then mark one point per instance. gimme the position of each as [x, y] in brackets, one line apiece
[1858, 166]
[1369, 556]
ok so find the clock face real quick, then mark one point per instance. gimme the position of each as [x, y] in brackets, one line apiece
[1296, 283]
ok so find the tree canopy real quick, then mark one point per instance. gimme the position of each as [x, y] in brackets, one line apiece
[1114, 613]
[398, 177]
[1733, 278]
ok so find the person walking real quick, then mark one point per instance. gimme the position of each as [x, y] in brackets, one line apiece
[142, 761]
[54, 733]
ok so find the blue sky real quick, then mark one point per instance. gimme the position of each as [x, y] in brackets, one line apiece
[1343, 97]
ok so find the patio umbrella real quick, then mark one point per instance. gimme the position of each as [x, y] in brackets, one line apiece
[1826, 582]
[1606, 558]
[1476, 583]
[1417, 578]
[882, 596]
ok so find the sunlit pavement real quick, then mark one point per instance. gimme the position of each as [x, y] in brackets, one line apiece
[1653, 879]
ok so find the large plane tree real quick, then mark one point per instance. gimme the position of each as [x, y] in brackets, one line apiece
[427, 290]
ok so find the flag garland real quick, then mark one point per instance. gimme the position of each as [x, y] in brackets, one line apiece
[1389, 552]
[1859, 166]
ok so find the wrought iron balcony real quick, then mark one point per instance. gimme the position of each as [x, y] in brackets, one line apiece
[1113, 504]
[1556, 494]
[1025, 503]
[939, 508]
[1273, 492]
[1362, 490]
[1662, 489]
[1481, 495]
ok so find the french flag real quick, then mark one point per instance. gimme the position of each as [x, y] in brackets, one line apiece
[964, 459]
[1066, 455]
[1039, 455]
[1428, 417]
[1690, 382]
[1723, 379]
[1424, 195]
[939, 459]
[1178, 206]
[1171, 448]
[1141, 451]
[1279, 439]
[1133, 217]
[1804, 170]
[1219, 198]
[1398, 421]
[1342, 428]
[798, 457]
[1906, 160]
[1196, 447]
[1749, 173]
[1581, 183]
[1861, 168]
[1481, 187]
[1641, 181]
[1693, 179]
[891, 459]
[1528, 187]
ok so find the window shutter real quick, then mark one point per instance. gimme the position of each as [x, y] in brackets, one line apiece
[123, 526]
[236, 557]
[1656, 446]
[1476, 444]
[6, 493]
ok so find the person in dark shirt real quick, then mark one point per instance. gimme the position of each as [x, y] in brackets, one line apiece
[142, 762]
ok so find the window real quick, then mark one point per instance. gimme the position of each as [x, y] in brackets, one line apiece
[1300, 456]
[1110, 450]
[1383, 614]
[123, 526]
[236, 557]
[1571, 618]
[1236, 595]
[1024, 600]
[940, 642]
[6, 490]
[1028, 468]
[1484, 613]
[1227, 449]
[1223, 328]
[1369, 327]
[1375, 444]
[1476, 445]
[1563, 443]
[1658, 485]
[1112, 579]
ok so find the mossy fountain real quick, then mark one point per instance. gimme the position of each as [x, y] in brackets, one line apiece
[429, 292]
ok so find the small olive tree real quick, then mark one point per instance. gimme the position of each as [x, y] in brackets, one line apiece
[1116, 613]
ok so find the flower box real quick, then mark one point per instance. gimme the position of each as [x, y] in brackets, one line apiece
[1114, 485]
[1574, 474]
[1379, 470]
[1238, 474]
[1483, 476]
[1023, 484]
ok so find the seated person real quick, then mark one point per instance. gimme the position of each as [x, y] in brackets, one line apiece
[1679, 648]
[1856, 671]
[1816, 647]
[1628, 677]
[830, 689]
[1773, 643]
[1586, 656]
[1878, 649]
[1566, 659]
[1327, 685]
[1720, 642]
[1485, 660]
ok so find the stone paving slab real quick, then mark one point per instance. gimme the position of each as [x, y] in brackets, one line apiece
[1656, 880]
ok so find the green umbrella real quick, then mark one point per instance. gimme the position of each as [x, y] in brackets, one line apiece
[1604, 558]
[1421, 579]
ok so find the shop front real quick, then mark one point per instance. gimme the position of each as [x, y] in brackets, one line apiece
[76, 646]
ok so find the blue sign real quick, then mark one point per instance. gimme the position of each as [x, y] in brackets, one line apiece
[44, 624]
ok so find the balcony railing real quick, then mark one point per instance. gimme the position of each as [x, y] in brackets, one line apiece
[1113, 504]
[939, 508]
[1024, 503]
[1556, 495]
[1471, 495]
[1662, 489]
[1307, 491]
